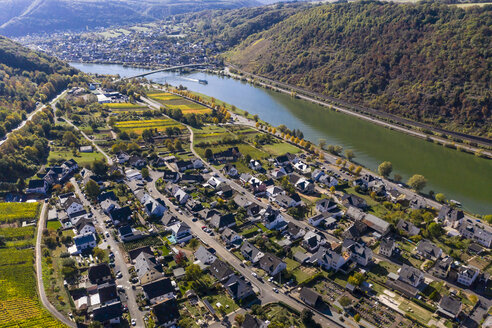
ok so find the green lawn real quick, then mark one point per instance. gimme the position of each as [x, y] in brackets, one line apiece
[418, 313]
[281, 148]
[224, 300]
[53, 225]
[81, 158]
[291, 264]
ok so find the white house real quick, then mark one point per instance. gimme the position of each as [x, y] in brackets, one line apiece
[73, 205]
[82, 242]
[181, 232]
[37, 186]
[467, 275]
[325, 205]
[328, 259]
[272, 219]
[302, 167]
[133, 175]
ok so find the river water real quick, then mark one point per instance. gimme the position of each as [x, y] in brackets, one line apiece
[458, 175]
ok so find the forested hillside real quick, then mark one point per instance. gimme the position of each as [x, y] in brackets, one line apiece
[27, 77]
[21, 17]
[428, 62]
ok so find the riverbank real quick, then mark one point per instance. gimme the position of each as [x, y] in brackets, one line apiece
[414, 131]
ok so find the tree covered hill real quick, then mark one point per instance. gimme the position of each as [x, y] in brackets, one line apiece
[429, 62]
[22, 17]
[27, 77]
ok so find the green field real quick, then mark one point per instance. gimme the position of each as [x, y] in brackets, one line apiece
[11, 212]
[117, 107]
[281, 148]
[81, 158]
[19, 303]
[176, 102]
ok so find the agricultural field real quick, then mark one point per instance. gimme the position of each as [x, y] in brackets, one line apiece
[12, 212]
[139, 126]
[19, 303]
[176, 102]
[126, 107]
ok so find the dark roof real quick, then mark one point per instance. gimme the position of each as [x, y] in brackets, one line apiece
[251, 322]
[269, 262]
[407, 227]
[121, 214]
[166, 311]
[158, 288]
[409, 274]
[125, 230]
[107, 292]
[108, 312]
[36, 183]
[427, 248]
[107, 195]
[450, 304]
[220, 270]
[223, 220]
[136, 252]
[237, 287]
[309, 296]
[354, 200]
[82, 223]
[98, 272]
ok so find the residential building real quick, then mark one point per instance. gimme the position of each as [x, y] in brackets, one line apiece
[478, 232]
[82, 243]
[294, 232]
[441, 267]
[312, 241]
[310, 297]
[272, 264]
[158, 290]
[220, 270]
[428, 250]
[325, 205]
[353, 200]
[231, 238]
[359, 252]
[255, 165]
[271, 218]
[467, 275]
[166, 313]
[204, 256]
[407, 228]
[250, 252]
[238, 288]
[449, 307]
[410, 275]
[37, 186]
[181, 232]
[253, 322]
[386, 247]
[147, 268]
[99, 274]
[230, 170]
[329, 259]
[108, 314]
[223, 221]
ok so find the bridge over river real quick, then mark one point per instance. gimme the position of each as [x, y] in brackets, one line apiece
[161, 70]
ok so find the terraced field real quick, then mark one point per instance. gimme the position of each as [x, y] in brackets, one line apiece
[139, 126]
[176, 102]
[126, 107]
[19, 303]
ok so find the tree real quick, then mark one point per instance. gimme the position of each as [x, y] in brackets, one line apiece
[99, 167]
[357, 317]
[358, 169]
[434, 229]
[349, 154]
[92, 189]
[145, 173]
[385, 169]
[99, 253]
[208, 153]
[193, 272]
[417, 182]
[345, 301]
[256, 117]
[322, 143]
[397, 178]
[356, 279]
[21, 184]
[440, 197]
[69, 138]
[193, 243]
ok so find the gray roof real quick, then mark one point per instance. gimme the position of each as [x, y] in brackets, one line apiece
[409, 274]
[427, 248]
[220, 270]
[249, 250]
[144, 263]
[204, 256]
[269, 262]
[450, 304]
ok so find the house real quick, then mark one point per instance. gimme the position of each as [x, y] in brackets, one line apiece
[272, 264]
[220, 270]
[170, 176]
[214, 182]
[353, 200]
[310, 297]
[154, 207]
[238, 288]
[137, 162]
[450, 216]
[312, 241]
[317, 174]
[230, 170]
[85, 226]
[158, 290]
[410, 275]
[386, 247]
[273, 191]
[108, 314]
[255, 165]
[355, 231]
[224, 191]
[70, 166]
[191, 178]
[147, 268]
[73, 205]
[197, 163]
[181, 196]
[449, 307]
[107, 195]
[329, 181]
[120, 216]
[329, 259]
[127, 233]
[82, 243]
[441, 267]
[182, 165]
[319, 219]
[204, 256]
[242, 201]
[253, 210]
[99, 274]
[285, 159]
[395, 196]
[166, 313]
[467, 275]
[133, 175]
[169, 219]
[278, 173]
[325, 205]
[302, 167]
[272, 219]
[230, 237]
[223, 221]
[107, 293]
[250, 252]
[417, 203]
[306, 186]
[407, 228]
[253, 322]
[122, 158]
[359, 253]
[37, 186]
[285, 201]
[294, 232]
[194, 205]
[85, 149]
[478, 232]
[427, 250]
[377, 224]
[181, 232]
[228, 155]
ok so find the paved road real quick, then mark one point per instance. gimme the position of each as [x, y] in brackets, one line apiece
[119, 257]
[39, 271]
[31, 115]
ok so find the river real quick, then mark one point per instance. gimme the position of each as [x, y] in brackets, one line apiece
[458, 175]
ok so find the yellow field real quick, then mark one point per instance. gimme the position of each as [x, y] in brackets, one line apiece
[176, 102]
[10, 212]
[139, 126]
[125, 106]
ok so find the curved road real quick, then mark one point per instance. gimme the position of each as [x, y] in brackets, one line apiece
[39, 271]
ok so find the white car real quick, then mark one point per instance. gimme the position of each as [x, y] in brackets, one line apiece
[134, 322]
[275, 290]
